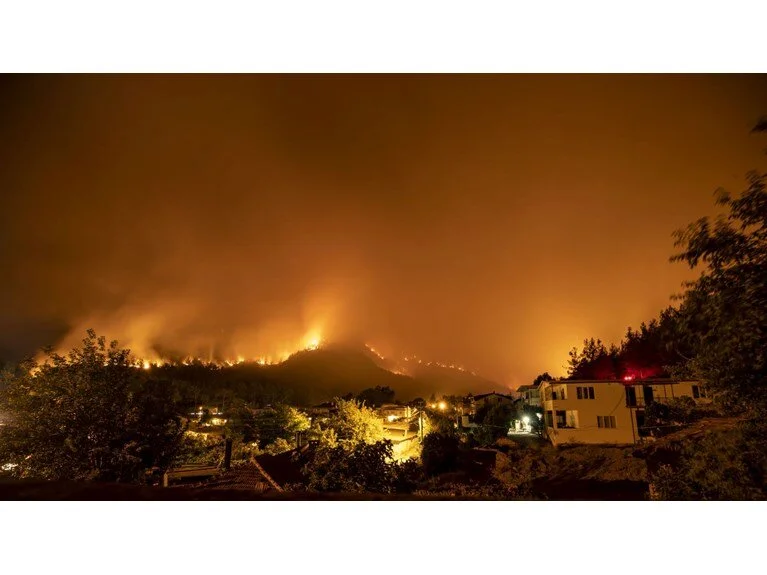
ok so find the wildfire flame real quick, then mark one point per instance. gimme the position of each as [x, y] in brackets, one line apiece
[414, 359]
[311, 342]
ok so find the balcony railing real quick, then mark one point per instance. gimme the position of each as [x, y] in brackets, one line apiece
[642, 402]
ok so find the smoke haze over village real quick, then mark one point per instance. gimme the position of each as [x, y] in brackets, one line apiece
[492, 222]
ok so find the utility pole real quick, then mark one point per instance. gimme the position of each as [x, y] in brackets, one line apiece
[420, 423]
[228, 454]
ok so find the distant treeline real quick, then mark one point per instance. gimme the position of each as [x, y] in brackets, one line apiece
[305, 379]
[656, 349]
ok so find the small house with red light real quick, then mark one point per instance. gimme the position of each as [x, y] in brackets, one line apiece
[608, 411]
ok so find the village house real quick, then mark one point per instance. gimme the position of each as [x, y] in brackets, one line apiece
[399, 421]
[488, 398]
[466, 410]
[393, 412]
[598, 411]
[530, 394]
[214, 417]
[321, 412]
[466, 407]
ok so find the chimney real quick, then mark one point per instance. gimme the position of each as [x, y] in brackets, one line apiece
[228, 455]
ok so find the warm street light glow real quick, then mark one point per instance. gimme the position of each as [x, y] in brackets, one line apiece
[442, 405]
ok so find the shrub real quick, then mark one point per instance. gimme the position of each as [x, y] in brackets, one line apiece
[88, 415]
[201, 449]
[439, 453]
[725, 465]
[279, 445]
[358, 469]
[682, 410]
[354, 423]
[279, 422]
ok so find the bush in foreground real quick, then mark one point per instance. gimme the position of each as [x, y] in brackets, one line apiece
[724, 466]
[90, 415]
[363, 468]
[439, 453]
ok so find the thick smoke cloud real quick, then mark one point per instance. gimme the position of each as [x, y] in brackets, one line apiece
[488, 221]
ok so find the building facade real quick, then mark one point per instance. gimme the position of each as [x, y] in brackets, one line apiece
[490, 398]
[530, 394]
[612, 412]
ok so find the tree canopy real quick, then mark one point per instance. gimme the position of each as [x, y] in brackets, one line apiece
[274, 423]
[88, 415]
[723, 315]
[366, 467]
[652, 350]
[376, 396]
[440, 453]
[542, 377]
[354, 423]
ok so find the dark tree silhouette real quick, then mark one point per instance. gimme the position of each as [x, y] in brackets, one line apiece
[724, 312]
[376, 396]
[89, 415]
[542, 377]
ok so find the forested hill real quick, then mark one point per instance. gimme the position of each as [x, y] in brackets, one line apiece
[310, 377]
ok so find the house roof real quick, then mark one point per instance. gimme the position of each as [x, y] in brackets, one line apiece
[266, 473]
[324, 405]
[483, 395]
[246, 476]
[283, 468]
[655, 381]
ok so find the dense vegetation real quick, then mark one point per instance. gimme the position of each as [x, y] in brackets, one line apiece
[304, 379]
[652, 350]
[89, 415]
[722, 320]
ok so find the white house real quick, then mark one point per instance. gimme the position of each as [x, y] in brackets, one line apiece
[530, 394]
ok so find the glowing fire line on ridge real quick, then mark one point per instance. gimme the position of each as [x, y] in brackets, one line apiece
[311, 343]
[413, 359]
